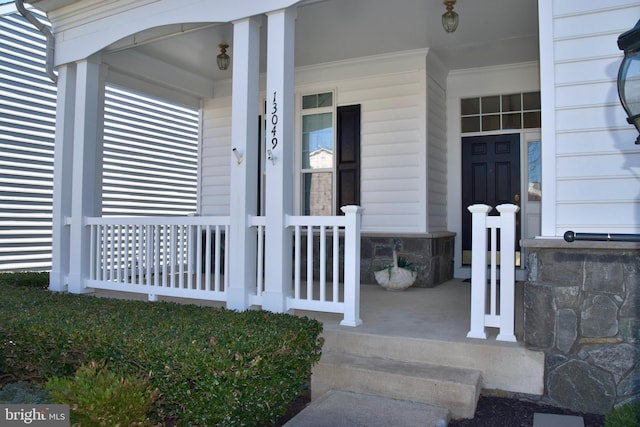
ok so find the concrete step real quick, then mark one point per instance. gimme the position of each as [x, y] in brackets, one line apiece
[456, 389]
[504, 366]
[345, 409]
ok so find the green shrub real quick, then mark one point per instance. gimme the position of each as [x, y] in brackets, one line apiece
[210, 366]
[625, 416]
[98, 397]
[36, 279]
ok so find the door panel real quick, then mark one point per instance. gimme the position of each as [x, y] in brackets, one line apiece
[490, 175]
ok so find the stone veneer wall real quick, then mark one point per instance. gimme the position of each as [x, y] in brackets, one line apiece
[431, 256]
[582, 308]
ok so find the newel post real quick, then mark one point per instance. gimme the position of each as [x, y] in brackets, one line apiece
[353, 216]
[507, 271]
[478, 269]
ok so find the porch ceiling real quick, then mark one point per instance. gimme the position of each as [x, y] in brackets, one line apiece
[490, 32]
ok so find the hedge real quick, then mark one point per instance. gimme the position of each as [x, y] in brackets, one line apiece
[204, 366]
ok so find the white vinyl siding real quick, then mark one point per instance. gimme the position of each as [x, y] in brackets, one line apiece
[393, 150]
[437, 146]
[597, 162]
[393, 142]
[215, 156]
[150, 151]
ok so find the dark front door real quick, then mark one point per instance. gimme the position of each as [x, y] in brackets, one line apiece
[491, 176]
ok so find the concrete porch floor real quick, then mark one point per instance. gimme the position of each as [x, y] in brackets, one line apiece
[438, 313]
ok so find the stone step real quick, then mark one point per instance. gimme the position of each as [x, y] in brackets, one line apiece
[504, 366]
[339, 408]
[456, 389]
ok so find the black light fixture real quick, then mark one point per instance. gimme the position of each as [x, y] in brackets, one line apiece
[449, 18]
[223, 59]
[629, 75]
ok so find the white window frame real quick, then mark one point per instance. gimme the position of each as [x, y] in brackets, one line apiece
[300, 172]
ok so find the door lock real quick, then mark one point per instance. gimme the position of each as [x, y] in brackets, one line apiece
[516, 197]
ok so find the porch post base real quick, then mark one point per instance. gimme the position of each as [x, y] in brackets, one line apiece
[351, 322]
[237, 299]
[275, 302]
[57, 281]
[506, 337]
[76, 285]
[477, 334]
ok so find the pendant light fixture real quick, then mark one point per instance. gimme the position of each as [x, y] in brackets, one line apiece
[223, 59]
[449, 18]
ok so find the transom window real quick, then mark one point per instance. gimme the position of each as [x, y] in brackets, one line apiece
[318, 141]
[500, 112]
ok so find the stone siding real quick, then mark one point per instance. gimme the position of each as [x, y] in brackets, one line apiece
[430, 255]
[582, 308]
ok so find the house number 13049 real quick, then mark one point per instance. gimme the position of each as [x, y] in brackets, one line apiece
[274, 122]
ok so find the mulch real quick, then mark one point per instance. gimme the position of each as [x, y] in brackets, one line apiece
[505, 412]
[490, 412]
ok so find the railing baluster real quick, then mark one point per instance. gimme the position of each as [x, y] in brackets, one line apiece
[92, 252]
[127, 253]
[207, 259]
[227, 238]
[149, 255]
[216, 264]
[173, 248]
[296, 261]
[180, 255]
[198, 254]
[336, 263]
[134, 257]
[112, 252]
[309, 262]
[323, 263]
[156, 255]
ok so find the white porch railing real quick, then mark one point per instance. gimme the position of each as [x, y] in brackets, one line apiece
[321, 252]
[185, 257]
[493, 315]
[170, 256]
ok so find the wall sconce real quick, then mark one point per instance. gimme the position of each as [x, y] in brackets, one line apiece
[271, 157]
[223, 59]
[449, 18]
[629, 75]
[239, 156]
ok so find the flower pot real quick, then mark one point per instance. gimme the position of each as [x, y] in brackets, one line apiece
[395, 278]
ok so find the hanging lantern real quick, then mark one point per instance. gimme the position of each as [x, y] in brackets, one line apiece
[223, 59]
[629, 75]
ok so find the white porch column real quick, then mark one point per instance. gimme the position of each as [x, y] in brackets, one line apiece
[279, 165]
[244, 162]
[62, 177]
[86, 185]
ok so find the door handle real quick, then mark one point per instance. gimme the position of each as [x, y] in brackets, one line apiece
[516, 197]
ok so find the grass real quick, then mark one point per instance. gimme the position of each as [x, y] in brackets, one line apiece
[197, 365]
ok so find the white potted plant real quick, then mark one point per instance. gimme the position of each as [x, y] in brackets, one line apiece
[397, 276]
